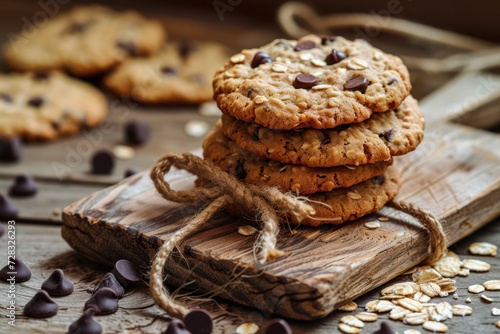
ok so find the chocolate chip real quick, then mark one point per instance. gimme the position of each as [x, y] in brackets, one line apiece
[11, 149]
[42, 75]
[261, 58]
[16, 268]
[379, 179]
[126, 273]
[335, 56]
[41, 306]
[102, 163]
[176, 326]
[7, 209]
[76, 28]
[109, 281]
[387, 135]
[278, 326]
[358, 83]
[384, 329]
[36, 102]
[327, 39]
[57, 284]
[199, 322]
[305, 45]
[129, 47]
[131, 171]
[239, 171]
[6, 97]
[186, 49]
[326, 139]
[168, 70]
[85, 324]
[137, 132]
[393, 80]
[305, 81]
[56, 125]
[24, 186]
[104, 301]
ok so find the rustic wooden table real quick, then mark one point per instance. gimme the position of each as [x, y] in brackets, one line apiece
[40, 246]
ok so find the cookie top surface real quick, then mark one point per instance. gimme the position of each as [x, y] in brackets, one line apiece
[86, 40]
[346, 204]
[291, 84]
[47, 105]
[180, 73]
[383, 135]
[303, 180]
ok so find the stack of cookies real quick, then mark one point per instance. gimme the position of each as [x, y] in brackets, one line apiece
[318, 117]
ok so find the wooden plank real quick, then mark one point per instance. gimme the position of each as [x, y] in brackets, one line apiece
[43, 250]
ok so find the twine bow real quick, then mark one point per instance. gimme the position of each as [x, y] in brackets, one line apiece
[220, 190]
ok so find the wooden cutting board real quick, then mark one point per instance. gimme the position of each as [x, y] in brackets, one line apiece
[455, 173]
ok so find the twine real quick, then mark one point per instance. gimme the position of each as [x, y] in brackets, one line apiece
[269, 204]
[221, 190]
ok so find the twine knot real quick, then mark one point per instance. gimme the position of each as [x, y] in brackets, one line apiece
[220, 190]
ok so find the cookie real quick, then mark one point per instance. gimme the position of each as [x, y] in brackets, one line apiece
[303, 180]
[383, 135]
[346, 204]
[180, 73]
[47, 105]
[311, 83]
[85, 41]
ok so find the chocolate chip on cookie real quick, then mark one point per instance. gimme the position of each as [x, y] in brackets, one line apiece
[261, 58]
[305, 81]
[305, 45]
[334, 57]
[358, 83]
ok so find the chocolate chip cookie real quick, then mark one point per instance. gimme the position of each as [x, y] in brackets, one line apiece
[87, 40]
[346, 204]
[47, 105]
[250, 168]
[310, 83]
[391, 133]
[180, 73]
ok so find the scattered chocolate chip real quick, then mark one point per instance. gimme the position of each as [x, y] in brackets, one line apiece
[326, 139]
[239, 171]
[24, 186]
[131, 171]
[379, 179]
[393, 80]
[199, 322]
[6, 97]
[384, 329]
[129, 47]
[86, 324]
[327, 39]
[168, 70]
[57, 284]
[11, 149]
[305, 81]
[137, 132]
[387, 135]
[335, 57]
[278, 326]
[36, 102]
[186, 49]
[41, 306]
[18, 270]
[126, 273]
[109, 281]
[7, 209]
[305, 45]
[104, 301]
[358, 83]
[261, 58]
[102, 163]
[42, 75]
[176, 326]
